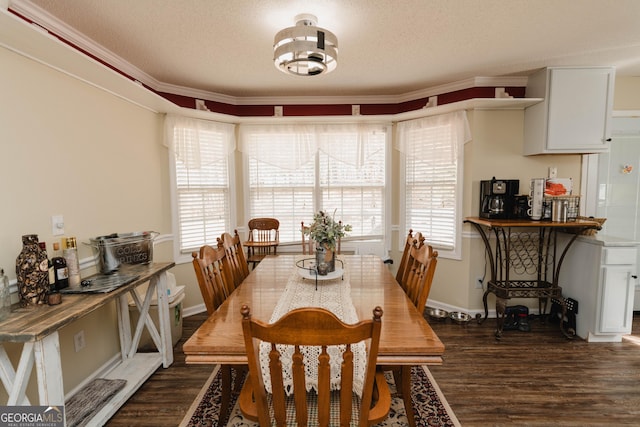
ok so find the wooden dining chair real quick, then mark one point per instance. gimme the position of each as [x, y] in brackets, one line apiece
[264, 238]
[307, 242]
[216, 282]
[421, 268]
[312, 326]
[308, 245]
[402, 267]
[214, 275]
[235, 253]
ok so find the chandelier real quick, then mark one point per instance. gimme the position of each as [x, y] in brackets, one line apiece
[305, 50]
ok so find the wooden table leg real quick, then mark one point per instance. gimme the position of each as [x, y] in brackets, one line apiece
[49, 369]
[225, 372]
[405, 384]
[45, 354]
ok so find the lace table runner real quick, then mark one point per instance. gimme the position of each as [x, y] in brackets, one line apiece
[333, 295]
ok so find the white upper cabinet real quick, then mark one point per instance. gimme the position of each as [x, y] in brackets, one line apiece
[574, 116]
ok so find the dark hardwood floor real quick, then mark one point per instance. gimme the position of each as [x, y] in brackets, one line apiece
[166, 396]
[536, 378]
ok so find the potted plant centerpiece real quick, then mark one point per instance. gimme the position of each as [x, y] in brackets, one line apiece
[326, 231]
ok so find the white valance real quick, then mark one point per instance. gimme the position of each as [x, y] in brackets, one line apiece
[184, 136]
[455, 125]
[296, 144]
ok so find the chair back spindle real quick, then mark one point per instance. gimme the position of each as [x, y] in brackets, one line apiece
[401, 274]
[214, 275]
[235, 253]
[419, 274]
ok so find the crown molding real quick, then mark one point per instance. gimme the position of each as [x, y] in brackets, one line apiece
[61, 30]
[78, 40]
[516, 81]
[37, 44]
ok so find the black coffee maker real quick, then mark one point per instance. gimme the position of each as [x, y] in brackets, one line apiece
[497, 198]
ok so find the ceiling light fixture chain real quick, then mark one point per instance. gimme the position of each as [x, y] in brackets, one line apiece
[305, 49]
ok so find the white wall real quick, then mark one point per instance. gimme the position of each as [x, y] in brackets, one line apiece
[69, 148]
[627, 93]
[495, 150]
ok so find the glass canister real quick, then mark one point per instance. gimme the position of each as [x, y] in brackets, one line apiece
[32, 271]
[5, 296]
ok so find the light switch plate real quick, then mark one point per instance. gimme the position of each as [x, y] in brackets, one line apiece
[57, 225]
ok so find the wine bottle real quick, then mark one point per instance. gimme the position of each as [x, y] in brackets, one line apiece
[60, 270]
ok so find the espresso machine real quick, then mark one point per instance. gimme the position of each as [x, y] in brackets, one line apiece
[497, 198]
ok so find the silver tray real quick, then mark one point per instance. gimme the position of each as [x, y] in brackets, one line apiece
[306, 268]
[313, 275]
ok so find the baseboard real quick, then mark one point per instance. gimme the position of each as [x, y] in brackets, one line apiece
[196, 309]
[473, 312]
[451, 308]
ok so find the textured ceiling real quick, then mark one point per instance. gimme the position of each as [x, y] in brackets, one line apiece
[224, 47]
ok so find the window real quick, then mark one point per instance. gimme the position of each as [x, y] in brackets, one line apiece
[432, 153]
[200, 153]
[296, 170]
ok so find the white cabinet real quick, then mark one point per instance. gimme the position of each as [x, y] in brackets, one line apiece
[616, 300]
[599, 272]
[575, 114]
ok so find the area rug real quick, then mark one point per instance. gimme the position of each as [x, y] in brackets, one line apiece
[429, 405]
[91, 399]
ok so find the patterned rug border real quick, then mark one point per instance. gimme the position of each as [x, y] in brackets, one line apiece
[443, 400]
[198, 401]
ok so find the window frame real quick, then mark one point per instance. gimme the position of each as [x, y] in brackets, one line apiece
[382, 242]
[181, 255]
[443, 252]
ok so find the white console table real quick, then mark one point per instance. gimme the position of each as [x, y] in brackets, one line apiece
[37, 328]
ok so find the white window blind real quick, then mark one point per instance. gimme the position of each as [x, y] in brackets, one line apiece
[433, 164]
[358, 193]
[279, 187]
[296, 170]
[200, 154]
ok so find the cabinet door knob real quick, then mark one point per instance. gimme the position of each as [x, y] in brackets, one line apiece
[634, 276]
[608, 140]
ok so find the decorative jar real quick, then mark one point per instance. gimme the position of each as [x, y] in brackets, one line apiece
[32, 271]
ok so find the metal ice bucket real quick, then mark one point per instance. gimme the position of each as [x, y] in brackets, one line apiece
[123, 248]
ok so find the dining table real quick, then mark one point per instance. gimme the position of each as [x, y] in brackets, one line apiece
[406, 337]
